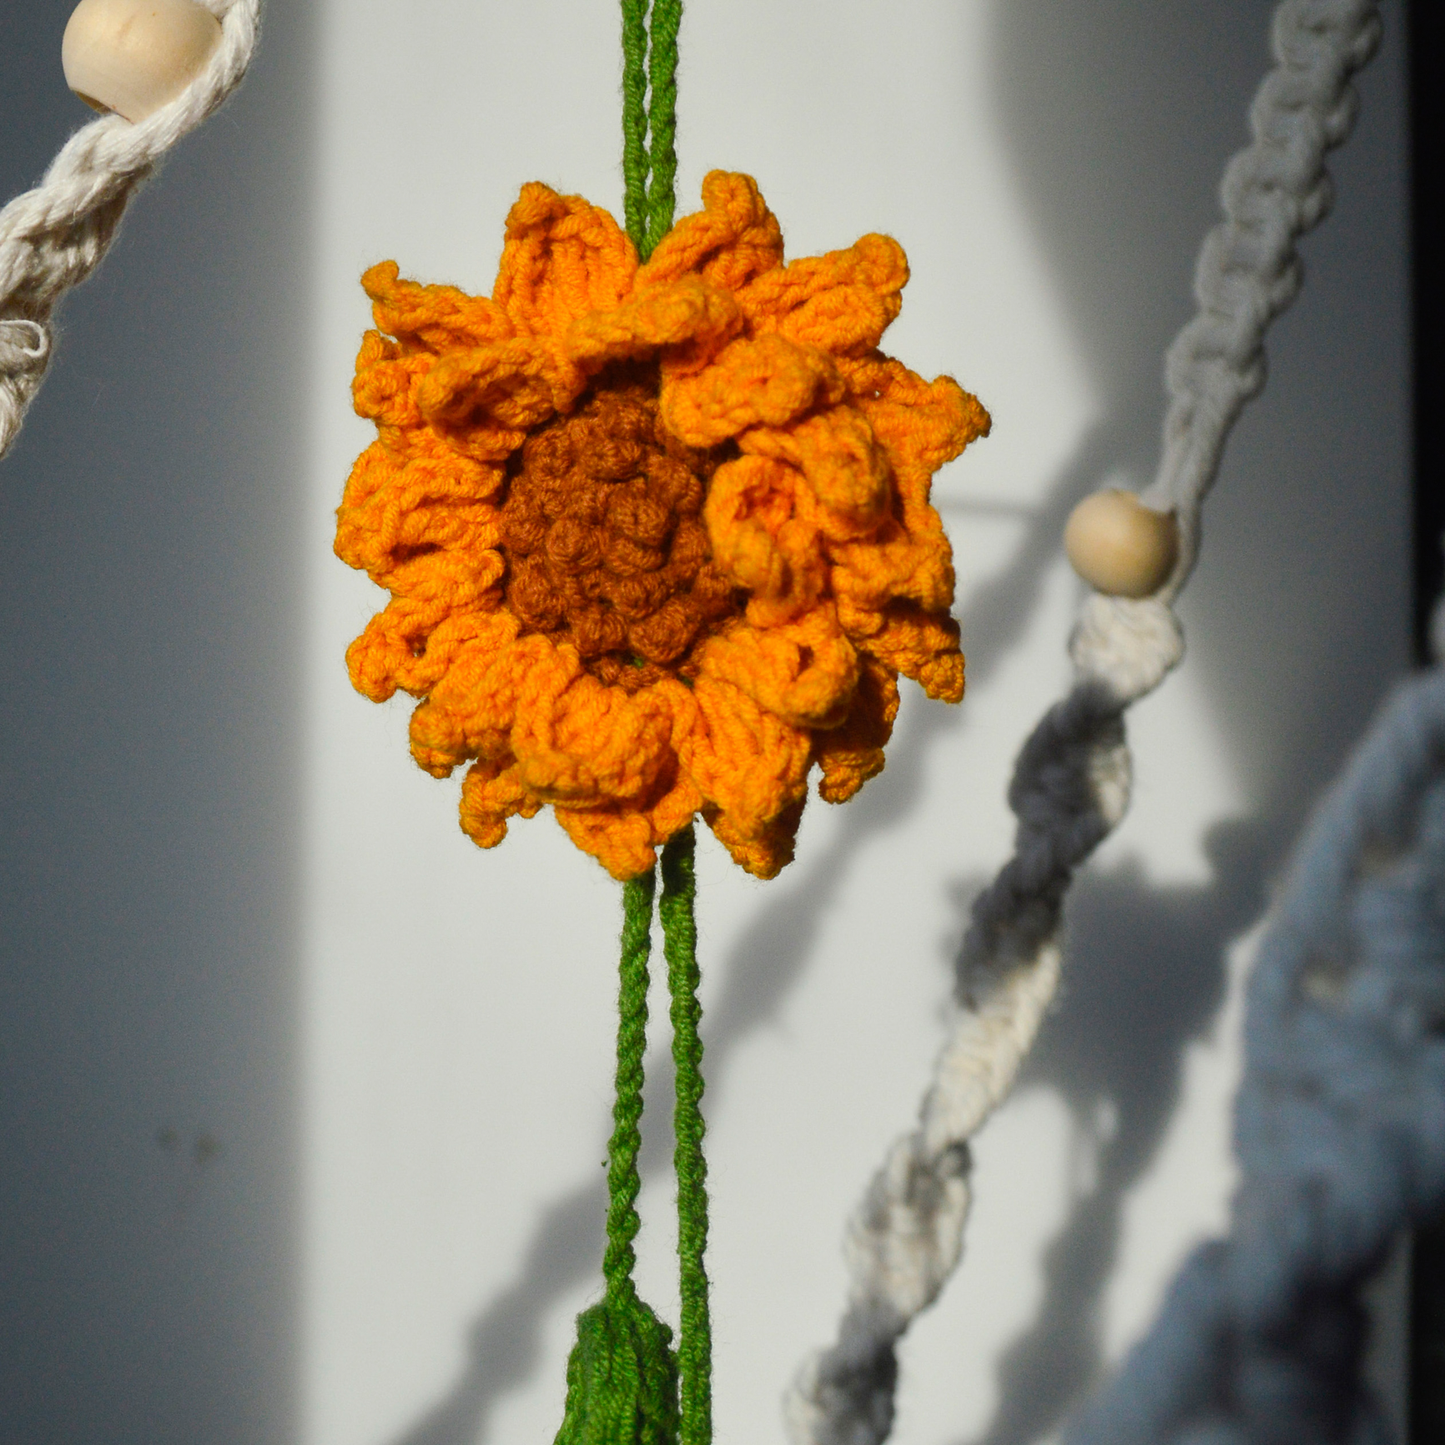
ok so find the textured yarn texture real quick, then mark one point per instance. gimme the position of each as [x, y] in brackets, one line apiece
[657, 535]
[1071, 783]
[624, 1383]
[53, 237]
[1339, 1124]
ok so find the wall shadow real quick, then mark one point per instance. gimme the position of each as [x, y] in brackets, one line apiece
[149, 767]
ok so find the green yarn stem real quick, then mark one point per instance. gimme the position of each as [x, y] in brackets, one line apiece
[665, 21]
[649, 119]
[623, 1182]
[634, 120]
[622, 1373]
[679, 941]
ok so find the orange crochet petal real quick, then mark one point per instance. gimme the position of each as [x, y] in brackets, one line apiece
[929, 422]
[921, 645]
[384, 388]
[871, 573]
[846, 468]
[410, 644]
[393, 509]
[676, 808]
[687, 317]
[492, 792]
[625, 841]
[436, 317]
[762, 851]
[514, 384]
[851, 754]
[620, 841]
[767, 381]
[761, 518]
[375, 473]
[580, 742]
[420, 528]
[841, 302]
[803, 672]
[472, 707]
[562, 258]
[731, 240]
[751, 764]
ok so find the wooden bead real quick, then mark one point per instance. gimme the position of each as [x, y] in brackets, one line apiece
[1119, 546]
[134, 56]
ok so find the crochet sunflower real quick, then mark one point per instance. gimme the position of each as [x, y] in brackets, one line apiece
[657, 536]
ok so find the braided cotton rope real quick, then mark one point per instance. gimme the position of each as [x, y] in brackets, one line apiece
[1339, 1124]
[1071, 782]
[53, 237]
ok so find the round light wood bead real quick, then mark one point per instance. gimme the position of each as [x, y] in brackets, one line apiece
[134, 56]
[1119, 546]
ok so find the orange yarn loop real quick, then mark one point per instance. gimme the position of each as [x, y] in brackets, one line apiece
[658, 537]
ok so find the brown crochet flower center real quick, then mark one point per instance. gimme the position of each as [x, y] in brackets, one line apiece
[604, 539]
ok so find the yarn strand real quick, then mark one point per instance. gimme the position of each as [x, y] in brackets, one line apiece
[623, 1181]
[634, 120]
[679, 933]
[665, 21]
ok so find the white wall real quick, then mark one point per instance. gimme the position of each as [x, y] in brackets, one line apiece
[323, 945]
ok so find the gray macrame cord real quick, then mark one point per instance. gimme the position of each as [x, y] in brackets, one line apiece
[1339, 1124]
[53, 237]
[1071, 782]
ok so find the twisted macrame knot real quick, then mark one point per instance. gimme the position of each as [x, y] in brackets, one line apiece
[621, 1377]
[24, 346]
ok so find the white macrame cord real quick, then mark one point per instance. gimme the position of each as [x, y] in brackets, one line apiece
[1071, 783]
[53, 237]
